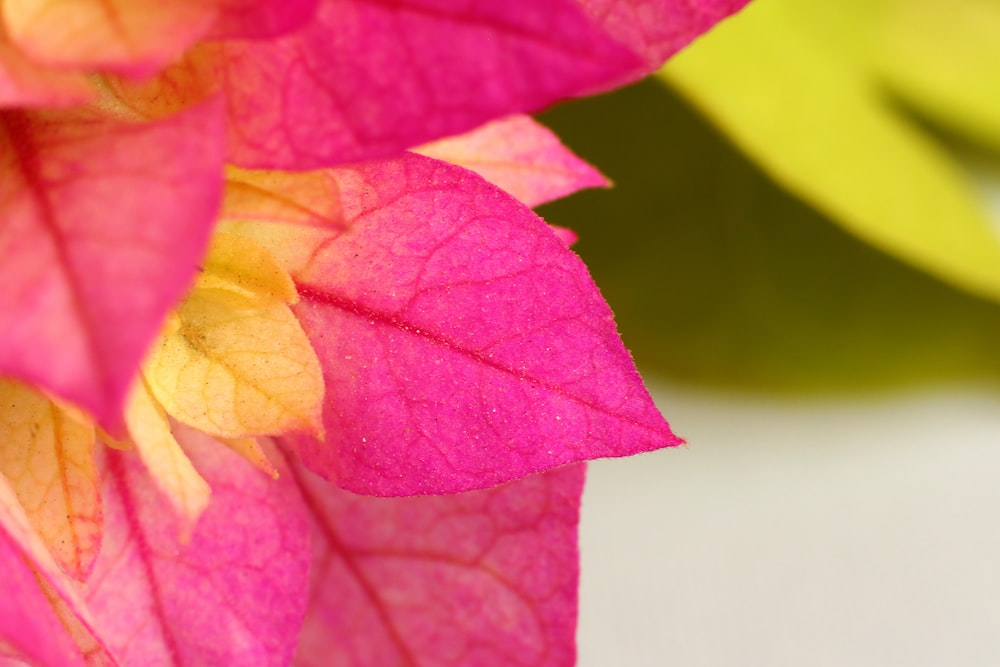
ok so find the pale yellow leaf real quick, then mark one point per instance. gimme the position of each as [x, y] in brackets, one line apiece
[48, 458]
[251, 450]
[167, 463]
[235, 261]
[235, 366]
[310, 198]
[291, 246]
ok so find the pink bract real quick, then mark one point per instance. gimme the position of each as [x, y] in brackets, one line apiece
[104, 225]
[462, 343]
[521, 157]
[486, 578]
[235, 595]
[656, 29]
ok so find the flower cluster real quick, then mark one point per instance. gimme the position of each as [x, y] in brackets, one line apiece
[228, 283]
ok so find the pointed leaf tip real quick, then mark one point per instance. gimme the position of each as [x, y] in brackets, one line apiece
[462, 343]
[521, 157]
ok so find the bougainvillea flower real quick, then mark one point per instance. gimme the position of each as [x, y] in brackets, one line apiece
[190, 340]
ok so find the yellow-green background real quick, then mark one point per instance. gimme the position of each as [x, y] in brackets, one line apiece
[844, 247]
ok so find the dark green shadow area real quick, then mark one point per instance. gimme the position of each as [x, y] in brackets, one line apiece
[717, 276]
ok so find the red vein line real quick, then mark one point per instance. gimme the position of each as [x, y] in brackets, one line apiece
[117, 469]
[361, 311]
[351, 564]
[17, 126]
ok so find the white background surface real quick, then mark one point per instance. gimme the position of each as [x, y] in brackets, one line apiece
[835, 533]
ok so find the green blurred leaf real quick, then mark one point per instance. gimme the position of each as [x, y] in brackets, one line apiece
[716, 275]
[793, 85]
[943, 56]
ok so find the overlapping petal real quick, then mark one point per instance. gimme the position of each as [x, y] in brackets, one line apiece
[170, 469]
[235, 367]
[235, 595]
[367, 79]
[462, 343]
[484, 578]
[521, 157]
[103, 227]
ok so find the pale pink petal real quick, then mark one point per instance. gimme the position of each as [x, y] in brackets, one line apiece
[657, 29]
[102, 226]
[485, 578]
[367, 79]
[519, 156]
[135, 37]
[566, 235]
[235, 595]
[261, 19]
[463, 344]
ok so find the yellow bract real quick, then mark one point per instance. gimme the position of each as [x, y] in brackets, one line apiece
[163, 457]
[293, 248]
[48, 457]
[236, 262]
[251, 450]
[234, 361]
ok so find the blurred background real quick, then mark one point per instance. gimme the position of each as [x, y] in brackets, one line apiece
[802, 254]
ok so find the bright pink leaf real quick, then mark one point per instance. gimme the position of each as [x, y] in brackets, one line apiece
[367, 79]
[235, 595]
[485, 578]
[657, 29]
[462, 343]
[521, 157]
[102, 225]
[261, 19]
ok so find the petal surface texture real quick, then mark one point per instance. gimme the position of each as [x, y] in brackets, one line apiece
[462, 343]
[234, 595]
[103, 225]
[367, 79]
[485, 578]
[657, 29]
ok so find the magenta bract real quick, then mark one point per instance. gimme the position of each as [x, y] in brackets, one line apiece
[462, 343]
